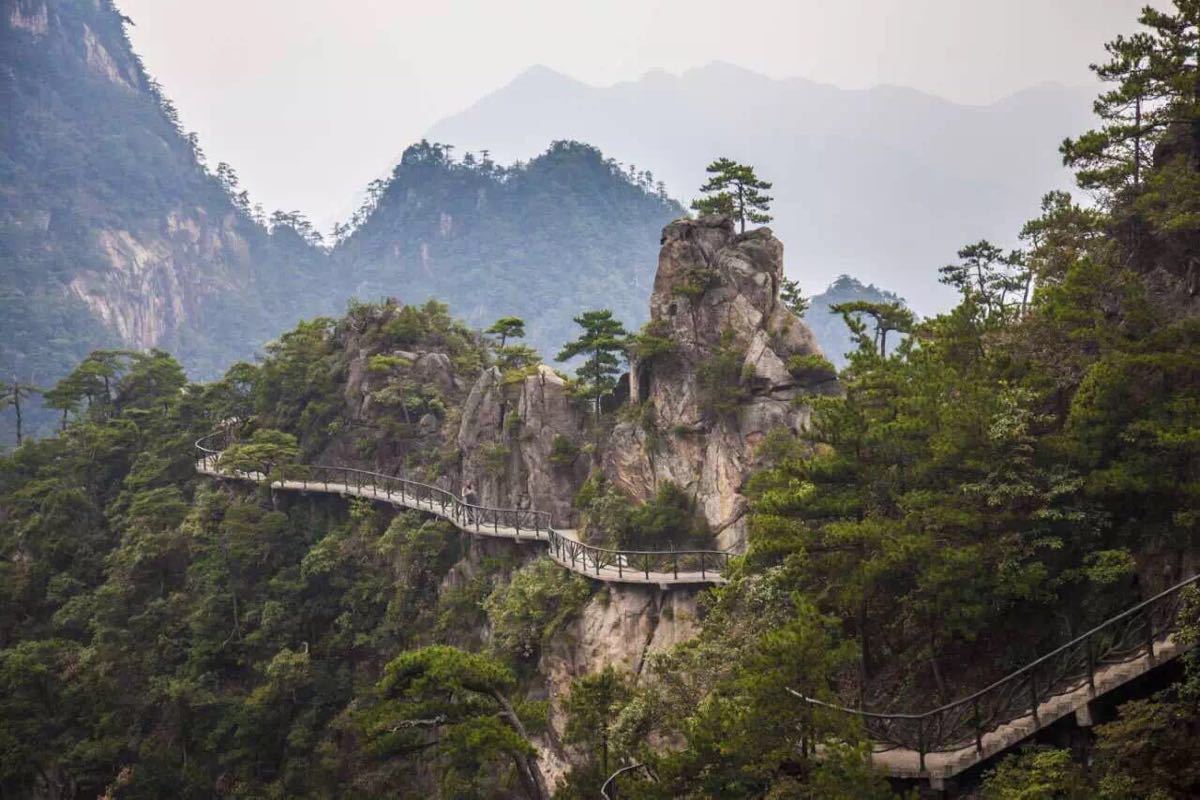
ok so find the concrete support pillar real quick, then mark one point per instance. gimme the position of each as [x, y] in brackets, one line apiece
[1083, 716]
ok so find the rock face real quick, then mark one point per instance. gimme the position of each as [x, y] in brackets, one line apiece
[521, 441]
[619, 627]
[114, 231]
[727, 381]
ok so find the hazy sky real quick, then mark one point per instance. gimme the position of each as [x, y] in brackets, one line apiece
[311, 99]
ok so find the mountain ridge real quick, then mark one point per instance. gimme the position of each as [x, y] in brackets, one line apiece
[906, 165]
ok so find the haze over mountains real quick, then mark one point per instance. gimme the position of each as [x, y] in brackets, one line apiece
[117, 231]
[884, 184]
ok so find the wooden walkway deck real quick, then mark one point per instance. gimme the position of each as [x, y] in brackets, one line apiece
[622, 569]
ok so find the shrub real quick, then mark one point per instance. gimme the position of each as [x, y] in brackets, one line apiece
[696, 280]
[382, 364]
[563, 451]
[495, 459]
[669, 519]
[537, 602]
[811, 368]
[720, 379]
[652, 342]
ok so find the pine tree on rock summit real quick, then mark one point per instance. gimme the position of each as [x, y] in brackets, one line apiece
[735, 190]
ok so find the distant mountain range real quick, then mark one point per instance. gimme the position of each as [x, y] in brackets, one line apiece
[884, 184]
[114, 232]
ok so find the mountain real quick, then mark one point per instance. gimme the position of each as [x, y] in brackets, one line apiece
[885, 183]
[544, 240]
[113, 232]
[829, 328]
[116, 233]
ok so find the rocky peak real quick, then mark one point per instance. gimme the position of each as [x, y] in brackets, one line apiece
[735, 370]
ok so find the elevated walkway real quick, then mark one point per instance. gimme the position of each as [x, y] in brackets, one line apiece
[944, 742]
[664, 568]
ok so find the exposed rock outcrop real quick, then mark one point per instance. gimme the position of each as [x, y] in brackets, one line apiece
[620, 626]
[727, 381]
[521, 442]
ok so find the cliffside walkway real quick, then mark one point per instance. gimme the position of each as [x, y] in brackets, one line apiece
[941, 743]
[665, 568]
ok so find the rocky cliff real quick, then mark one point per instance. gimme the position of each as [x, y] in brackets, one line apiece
[737, 368]
[113, 232]
[520, 439]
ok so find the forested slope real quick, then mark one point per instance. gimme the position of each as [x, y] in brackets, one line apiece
[539, 240]
[1019, 468]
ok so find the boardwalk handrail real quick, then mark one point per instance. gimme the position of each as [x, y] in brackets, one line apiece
[586, 559]
[962, 723]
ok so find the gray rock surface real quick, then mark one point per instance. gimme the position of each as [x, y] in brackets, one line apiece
[714, 288]
[507, 439]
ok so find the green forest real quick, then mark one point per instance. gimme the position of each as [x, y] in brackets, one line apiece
[989, 483]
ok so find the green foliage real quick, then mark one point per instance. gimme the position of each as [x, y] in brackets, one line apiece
[720, 380]
[495, 458]
[262, 453]
[695, 280]
[563, 451]
[668, 520]
[829, 327]
[652, 343]
[811, 368]
[884, 318]
[507, 328]
[1037, 774]
[539, 599]
[602, 343]
[1153, 88]
[735, 190]
[451, 707]
[592, 710]
[792, 298]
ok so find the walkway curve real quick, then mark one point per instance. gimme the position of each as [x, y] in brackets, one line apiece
[665, 568]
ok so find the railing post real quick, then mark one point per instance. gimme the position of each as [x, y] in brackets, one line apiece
[702, 575]
[675, 564]
[1091, 665]
[646, 564]
[921, 743]
[1149, 635]
[978, 726]
[1033, 698]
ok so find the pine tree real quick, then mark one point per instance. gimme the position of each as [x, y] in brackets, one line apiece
[1157, 85]
[735, 190]
[603, 342]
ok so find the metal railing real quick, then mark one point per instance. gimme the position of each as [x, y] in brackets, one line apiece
[586, 559]
[963, 723]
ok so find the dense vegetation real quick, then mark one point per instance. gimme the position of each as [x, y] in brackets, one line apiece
[537, 240]
[166, 636]
[1011, 472]
[115, 231]
[1014, 471]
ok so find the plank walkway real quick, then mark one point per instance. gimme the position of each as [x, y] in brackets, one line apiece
[565, 547]
[900, 762]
